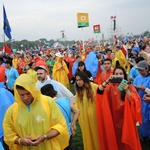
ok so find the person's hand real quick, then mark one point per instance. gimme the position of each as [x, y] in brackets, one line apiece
[140, 87]
[124, 86]
[26, 141]
[111, 77]
[39, 139]
[146, 98]
[72, 130]
[12, 88]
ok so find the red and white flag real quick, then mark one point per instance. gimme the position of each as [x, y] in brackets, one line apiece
[124, 50]
[115, 37]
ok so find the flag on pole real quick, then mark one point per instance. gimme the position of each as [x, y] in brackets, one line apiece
[96, 28]
[115, 37]
[80, 45]
[6, 26]
[7, 49]
[124, 50]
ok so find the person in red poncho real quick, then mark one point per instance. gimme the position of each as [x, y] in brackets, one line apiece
[117, 113]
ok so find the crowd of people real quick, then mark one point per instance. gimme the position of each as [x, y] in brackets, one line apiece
[111, 100]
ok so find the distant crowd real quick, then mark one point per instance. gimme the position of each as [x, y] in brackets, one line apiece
[110, 97]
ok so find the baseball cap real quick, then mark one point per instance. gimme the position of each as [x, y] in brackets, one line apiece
[40, 67]
[142, 65]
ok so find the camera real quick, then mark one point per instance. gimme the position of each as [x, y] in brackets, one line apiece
[116, 80]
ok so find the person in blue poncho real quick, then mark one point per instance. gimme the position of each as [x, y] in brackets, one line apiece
[6, 99]
[91, 61]
[75, 64]
[66, 108]
[142, 84]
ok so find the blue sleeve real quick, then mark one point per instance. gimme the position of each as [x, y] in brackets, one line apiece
[74, 68]
[131, 74]
[91, 63]
[16, 74]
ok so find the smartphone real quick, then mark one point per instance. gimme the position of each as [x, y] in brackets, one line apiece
[116, 80]
[120, 87]
[33, 140]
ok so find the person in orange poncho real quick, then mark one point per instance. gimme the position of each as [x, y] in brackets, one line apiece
[108, 71]
[60, 72]
[20, 65]
[117, 114]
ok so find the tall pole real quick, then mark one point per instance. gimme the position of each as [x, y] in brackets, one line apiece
[3, 36]
[82, 38]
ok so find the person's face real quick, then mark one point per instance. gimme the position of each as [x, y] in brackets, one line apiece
[60, 59]
[134, 53]
[41, 74]
[79, 81]
[7, 65]
[108, 52]
[147, 49]
[33, 66]
[119, 73]
[20, 60]
[79, 59]
[81, 68]
[25, 96]
[112, 55]
[97, 48]
[143, 72]
[107, 65]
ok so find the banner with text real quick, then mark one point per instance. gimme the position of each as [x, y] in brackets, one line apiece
[96, 28]
[83, 20]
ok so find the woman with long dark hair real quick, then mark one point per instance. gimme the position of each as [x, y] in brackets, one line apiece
[117, 113]
[85, 101]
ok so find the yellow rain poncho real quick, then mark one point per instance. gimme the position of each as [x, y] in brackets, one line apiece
[33, 74]
[60, 72]
[122, 59]
[35, 119]
[88, 121]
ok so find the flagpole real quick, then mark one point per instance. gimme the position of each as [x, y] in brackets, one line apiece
[82, 38]
[3, 42]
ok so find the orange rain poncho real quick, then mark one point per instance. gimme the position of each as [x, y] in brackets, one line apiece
[36, 119]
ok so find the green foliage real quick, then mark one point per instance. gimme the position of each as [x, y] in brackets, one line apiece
[76, 143]
[25, 44]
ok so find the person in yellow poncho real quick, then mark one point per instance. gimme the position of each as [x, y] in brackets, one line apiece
[34, 121]
[120, 56]
[115, 61]
[15, 61]
[85, 101]
[32, 72]
[60, 72]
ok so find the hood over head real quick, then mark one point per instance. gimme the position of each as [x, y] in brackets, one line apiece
[26, 82]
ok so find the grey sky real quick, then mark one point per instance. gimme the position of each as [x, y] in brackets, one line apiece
[34, 19]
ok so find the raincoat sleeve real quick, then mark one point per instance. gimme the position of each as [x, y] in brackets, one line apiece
[59, 124]
[9, 130]
[132, 114]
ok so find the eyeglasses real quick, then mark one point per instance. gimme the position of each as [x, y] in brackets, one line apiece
[40, 73]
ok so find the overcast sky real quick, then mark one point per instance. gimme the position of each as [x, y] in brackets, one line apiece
[35, 19]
